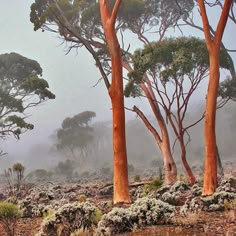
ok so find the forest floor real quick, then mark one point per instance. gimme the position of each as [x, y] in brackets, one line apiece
[199, 224]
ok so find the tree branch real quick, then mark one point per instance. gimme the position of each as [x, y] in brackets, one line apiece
[222, 22]
[148, 124]
[115, 12]
[206, 25]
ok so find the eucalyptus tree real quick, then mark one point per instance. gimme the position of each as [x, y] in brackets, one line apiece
[213, 43]
[74, 21]
[158, 18]
[21, 87]
[79, 22]
[175, 68]
[227, 90]
[75, 135]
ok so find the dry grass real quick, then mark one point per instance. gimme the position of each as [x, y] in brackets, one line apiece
[82, 232]
[191, 218]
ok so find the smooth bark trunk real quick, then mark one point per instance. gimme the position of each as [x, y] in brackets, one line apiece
[210, 173]
[170, 169]
[188, 169]
[120, 165]
[120, 178]
[213, 45]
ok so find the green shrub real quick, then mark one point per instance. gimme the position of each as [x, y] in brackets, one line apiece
[9, 213]
[153, 186]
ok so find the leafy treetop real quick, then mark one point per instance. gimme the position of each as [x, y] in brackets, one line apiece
[21, 87]
[171, 59]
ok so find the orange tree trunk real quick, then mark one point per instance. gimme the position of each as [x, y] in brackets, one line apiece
[120, 178]
[213, 45]
[210, 173]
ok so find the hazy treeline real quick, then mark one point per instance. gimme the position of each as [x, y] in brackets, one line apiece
[141, 146]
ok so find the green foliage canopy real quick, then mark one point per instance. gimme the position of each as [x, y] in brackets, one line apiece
[21, 87]
[79, 21]
[171, 59]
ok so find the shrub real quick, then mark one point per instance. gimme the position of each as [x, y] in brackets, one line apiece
[172, 198]
[70, 218]
[145, 211]
[9, 213]
[151, 211]
[154, 185]
[117, 221]
[19, 169]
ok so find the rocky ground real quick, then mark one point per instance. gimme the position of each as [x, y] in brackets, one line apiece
[156, 210]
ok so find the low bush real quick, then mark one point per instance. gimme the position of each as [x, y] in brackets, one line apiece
[150, 211]
[145, 211]
[9, 213]
[117, 221]
[69, 218]
[153, 186]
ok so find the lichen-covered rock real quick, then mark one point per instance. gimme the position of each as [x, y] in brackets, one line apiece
[69, 218]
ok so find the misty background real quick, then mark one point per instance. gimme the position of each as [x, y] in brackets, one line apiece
[72, 79]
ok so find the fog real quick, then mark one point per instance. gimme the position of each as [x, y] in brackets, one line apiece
[72, 78]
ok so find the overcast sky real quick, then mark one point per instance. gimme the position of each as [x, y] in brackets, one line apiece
[71, 77]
